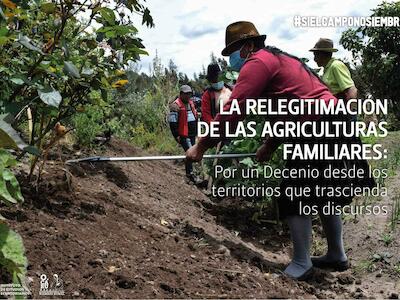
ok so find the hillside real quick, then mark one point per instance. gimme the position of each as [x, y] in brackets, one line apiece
[137, 230]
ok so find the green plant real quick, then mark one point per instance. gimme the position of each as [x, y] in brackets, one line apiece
[247, 145]
[139, 113]
[318, 246]
[371, 139]
[395, 217]
[53, 64]
[376, 56]
[382, 257]
[12, 252]
[387, 239]
[10, 192]
[88, 125]
[397, 268]
[366, 265]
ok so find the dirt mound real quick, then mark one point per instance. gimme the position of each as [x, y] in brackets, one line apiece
[136, 230]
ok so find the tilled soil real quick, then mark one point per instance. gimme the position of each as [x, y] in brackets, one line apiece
[138, 230]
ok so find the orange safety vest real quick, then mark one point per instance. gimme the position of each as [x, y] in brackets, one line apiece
[183, 129]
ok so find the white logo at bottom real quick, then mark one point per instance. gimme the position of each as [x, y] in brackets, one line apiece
[55, 288]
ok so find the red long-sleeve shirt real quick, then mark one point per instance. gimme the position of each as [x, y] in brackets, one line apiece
[270, 76]
[210, 102]
[206, 109]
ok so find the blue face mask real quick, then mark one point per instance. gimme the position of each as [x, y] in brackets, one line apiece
[235, 61]
[218, 85]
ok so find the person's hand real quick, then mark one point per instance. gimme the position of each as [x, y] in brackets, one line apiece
[178, 139]
[195, 153]
[263, 153]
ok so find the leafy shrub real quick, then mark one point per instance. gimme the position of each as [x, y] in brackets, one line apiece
[10, 192]
[12, 254]
[52, 62]
[140, 115]
[247, 145]
[376, 57]
[12, 251]
[88, 125]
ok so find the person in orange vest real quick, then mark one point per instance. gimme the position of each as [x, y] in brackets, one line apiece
[216, 92]
[183, 124]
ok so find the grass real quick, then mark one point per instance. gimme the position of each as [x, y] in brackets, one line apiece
[395, 217]
[88, 125]
[392, 164]
[157, 142]
[366, 265]
[387, 239]
[318, 246]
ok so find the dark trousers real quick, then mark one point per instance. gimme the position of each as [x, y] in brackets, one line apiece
[186, 143]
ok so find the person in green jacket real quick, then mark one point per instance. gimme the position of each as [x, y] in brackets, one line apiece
[336, 74]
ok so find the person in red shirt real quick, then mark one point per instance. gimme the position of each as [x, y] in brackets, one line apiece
[269, 73]
[216, 92]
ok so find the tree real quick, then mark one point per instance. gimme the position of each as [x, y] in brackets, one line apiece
[213, 58]
[376, 56]
[53, 61]
[173, 68]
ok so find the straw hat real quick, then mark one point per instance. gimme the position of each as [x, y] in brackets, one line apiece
[324, 45]
[237, 32]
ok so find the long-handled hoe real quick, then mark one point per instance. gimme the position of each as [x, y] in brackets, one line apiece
[95, 159]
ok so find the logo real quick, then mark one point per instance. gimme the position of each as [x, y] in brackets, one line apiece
[55, 287]
[15, 289]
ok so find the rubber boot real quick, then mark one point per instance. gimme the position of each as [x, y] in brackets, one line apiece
[336, 257]
[300, 267]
